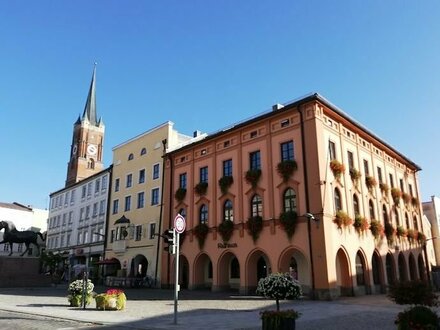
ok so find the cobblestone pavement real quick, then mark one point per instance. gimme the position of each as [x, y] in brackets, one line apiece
[154, 309]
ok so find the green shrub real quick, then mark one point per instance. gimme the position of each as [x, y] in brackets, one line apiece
[417, 317]
[412, 293]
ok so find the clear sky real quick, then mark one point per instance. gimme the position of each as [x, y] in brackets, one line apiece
[204, 65]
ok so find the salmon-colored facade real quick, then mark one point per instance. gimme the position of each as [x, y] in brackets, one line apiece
[327, 260]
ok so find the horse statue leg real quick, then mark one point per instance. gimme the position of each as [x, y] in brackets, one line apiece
[10, 245]
[27, 248]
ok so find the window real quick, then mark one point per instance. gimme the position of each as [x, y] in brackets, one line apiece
[72, 197]
[228, 212]
[143, 151]
[89, 189]
[391, 181]
[182, 212]
[156, 171]
[332, 150]
[70, 221]
[289, 200]
[104, 182]
[138, 233]
[127, 203]
[415, 224]
[360, 270]
[204, 174]
[254, 134]
[81, 214]
[155, 196]
[115, 206]
[182, 181]
[129, 180]
[117, 184]
[338, 201]
[203, 217]
[366, 169]
[407, 220]
[87, 212]
[256, 206]
[397, 218]
[83, 192]
[152, 230]
[227, 167]
[95, 210]
[130, 157]
[97, 185]
[410, 189]
[385, 214]
[255, 160]
[66, 200]
[350, 160]
[379, 174]
[141, 200]
[142, 176]
[356, 205]
[287, 151]
[401, 185]
[102, 207]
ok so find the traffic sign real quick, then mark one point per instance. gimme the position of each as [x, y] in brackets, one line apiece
[179, 224]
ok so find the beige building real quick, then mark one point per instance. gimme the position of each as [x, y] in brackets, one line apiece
[135, 203]
[431, 210]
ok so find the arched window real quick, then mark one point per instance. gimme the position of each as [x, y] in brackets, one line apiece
[385, 214]
[228, 212]
[415, 224]
[182, 212]
[289, 200]
[407, 221]
[355, 205]
[130, 157]
[397, 218]
[256, 206]
[338, 201]
[360, 270]
[143, 151]
[371, 208]
[203, 218]
[91, 163]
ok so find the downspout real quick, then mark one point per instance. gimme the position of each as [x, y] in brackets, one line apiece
[164, 145]
[306, 188]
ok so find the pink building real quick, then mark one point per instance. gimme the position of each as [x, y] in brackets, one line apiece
[296, 189]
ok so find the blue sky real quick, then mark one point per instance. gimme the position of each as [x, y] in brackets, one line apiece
[204, 65]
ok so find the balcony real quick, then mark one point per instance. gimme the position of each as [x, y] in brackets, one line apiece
[120, 246]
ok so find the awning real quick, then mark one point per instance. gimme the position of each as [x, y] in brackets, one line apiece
[121, 220]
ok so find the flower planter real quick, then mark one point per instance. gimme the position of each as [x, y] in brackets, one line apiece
[279, 324]
[113, 300]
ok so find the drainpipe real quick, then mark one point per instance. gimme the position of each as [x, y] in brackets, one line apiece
[306, 188]
[164, 145]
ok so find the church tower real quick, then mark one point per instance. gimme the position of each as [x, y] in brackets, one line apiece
[87, 142]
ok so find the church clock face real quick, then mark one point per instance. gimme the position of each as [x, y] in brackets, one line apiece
[92, 149]
[74, 149]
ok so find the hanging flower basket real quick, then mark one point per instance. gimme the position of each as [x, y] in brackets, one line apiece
[355, 175]
[255, 226]
[225, 182]
[337, 168]
[384, 188]
[415, 201]
[396, 194]
[412, 235]
[376, 229]
[201, 188]
[342, 219]
[421, 238]
[360, 224]
[226, 229]
[370, 182]
[180, 194]
[286, 168]
[252, 177]
[401, 232]
[288, 221]
[406, 198]
[201, 232]
[390, 232]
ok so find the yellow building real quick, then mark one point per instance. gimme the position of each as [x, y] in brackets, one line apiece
[135, 204]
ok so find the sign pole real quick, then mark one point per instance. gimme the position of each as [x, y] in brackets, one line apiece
[176, 284]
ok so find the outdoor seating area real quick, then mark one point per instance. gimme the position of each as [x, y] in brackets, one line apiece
[129, 282]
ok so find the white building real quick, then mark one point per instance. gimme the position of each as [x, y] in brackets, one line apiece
[431, 210]
[24, 218]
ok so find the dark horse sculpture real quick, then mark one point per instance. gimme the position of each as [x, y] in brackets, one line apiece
[12, 235]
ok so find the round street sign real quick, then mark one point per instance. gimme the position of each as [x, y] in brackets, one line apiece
[179, 224]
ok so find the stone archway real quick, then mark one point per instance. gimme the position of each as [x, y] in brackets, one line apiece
[293, 261]
[403, 274]
[202, 272]
[362, 275]
[257, 266]
[378, 273]
[139, 266]
[343, 280]
[228, 272]
[412, 267]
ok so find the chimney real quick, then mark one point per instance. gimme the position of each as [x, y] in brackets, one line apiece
[197, 133]
[277, 106]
